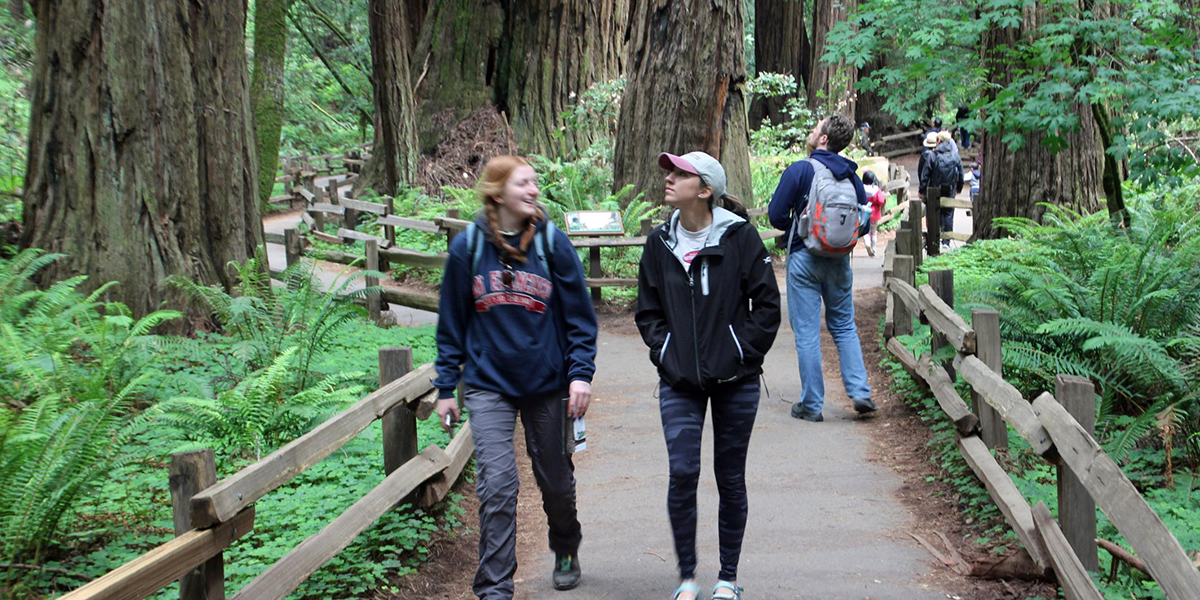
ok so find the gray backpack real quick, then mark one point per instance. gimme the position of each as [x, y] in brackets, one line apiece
[832, 221]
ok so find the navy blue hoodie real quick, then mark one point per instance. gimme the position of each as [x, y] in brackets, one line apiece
[531, 338]
[791, 195]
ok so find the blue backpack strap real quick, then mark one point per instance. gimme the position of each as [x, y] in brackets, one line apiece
[543, 243]
[474, 245]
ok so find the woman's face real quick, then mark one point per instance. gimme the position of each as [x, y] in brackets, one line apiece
[520, 193]
[684, 189]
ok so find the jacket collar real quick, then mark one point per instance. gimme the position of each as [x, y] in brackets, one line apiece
[722, 221]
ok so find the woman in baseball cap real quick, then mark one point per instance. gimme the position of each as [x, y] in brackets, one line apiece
[708, 308]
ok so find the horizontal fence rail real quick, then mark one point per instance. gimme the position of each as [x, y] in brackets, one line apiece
[1088, 477]
[222, 512]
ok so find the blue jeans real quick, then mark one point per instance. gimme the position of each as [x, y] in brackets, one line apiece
[811, 279]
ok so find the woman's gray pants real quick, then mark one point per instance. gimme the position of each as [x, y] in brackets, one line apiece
[493, 421]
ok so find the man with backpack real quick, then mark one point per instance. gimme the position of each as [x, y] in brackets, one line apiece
[819, 202]
[944, 176]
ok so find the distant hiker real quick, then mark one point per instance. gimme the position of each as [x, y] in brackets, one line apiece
[973, 178]
[945, 177]
[937, 126]
[876, 198]
[864, 138]
[930, 143]
[515, 315]
[708, 308]
[817, 202]
[960, 117]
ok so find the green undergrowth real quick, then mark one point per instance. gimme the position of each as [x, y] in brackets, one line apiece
[1116, 306]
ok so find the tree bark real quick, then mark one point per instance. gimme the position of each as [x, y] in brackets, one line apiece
[1015, 183]
[530, 59]
[831, 86]
[551, 52]
[394, 156]
[416, 11]
[267, 88]
[686, 76]
[460, 41]
[780, 46]
[141, 161]
[869, 104]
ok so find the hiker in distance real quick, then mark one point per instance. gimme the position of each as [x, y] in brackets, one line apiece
[819, 201]
[515, 315]
[708, 308]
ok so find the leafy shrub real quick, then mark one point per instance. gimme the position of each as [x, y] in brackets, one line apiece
[1119, 307]
[258, 412]
[267, 322]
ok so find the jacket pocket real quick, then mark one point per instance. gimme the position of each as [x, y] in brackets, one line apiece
[737, 344]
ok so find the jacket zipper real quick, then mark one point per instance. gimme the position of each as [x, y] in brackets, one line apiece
[695, 331]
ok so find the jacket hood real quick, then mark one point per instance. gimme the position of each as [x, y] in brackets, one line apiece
[947, 147]
[840, 166]
[723, 220]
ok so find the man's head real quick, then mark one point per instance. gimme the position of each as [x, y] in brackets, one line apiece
[937, 122]
[833, 133]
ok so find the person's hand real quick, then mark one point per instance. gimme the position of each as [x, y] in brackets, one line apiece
[580, 398]
[447, 406]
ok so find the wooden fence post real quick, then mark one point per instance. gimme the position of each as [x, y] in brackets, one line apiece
[350, 219]
[594, 271]
[986, 323]
[399, 423]
[291, 246]
[647, 226]
[370, 281]
[332, 185]
[451, 213]
[903, 244]
[1076, 508]
[902, 318]
[942, 282]
[191, 472]
[933, 222]
[915, 210]
[389, 231]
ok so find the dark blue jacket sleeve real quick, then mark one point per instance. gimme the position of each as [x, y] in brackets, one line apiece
[859, 190]
[791, 193]
[579, 316]
[455, 304]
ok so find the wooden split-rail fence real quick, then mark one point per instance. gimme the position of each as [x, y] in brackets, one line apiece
[1058, 427]
[210, 515]
[301, 171]
[381, 252]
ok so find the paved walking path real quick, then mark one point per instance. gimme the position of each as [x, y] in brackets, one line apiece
[824, 522]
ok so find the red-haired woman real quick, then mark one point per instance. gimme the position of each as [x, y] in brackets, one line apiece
[516, 317]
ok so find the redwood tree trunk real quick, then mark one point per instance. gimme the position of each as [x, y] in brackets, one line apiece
[1015, 182]
[267, 88]
[780, 46]
[394, 156]
[415, 10]
[141, 150]
[552, 51]
[530, 59]
[830, 86]
[686, 73]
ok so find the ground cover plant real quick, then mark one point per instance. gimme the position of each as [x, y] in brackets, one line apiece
[1117, 306]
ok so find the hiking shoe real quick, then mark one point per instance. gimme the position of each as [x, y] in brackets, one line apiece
[566, 571]
[863, 405]
[798, 412]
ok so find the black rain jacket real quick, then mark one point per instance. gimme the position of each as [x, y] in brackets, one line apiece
[713, 323]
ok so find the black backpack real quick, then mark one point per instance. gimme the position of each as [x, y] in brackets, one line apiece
[946, 171]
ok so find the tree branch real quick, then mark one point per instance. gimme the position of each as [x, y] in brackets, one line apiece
[325, 61]
[46, 569]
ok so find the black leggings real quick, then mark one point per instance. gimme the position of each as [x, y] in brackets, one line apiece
[734, 408]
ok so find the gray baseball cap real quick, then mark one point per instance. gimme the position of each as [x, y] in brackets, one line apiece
[708, 168]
